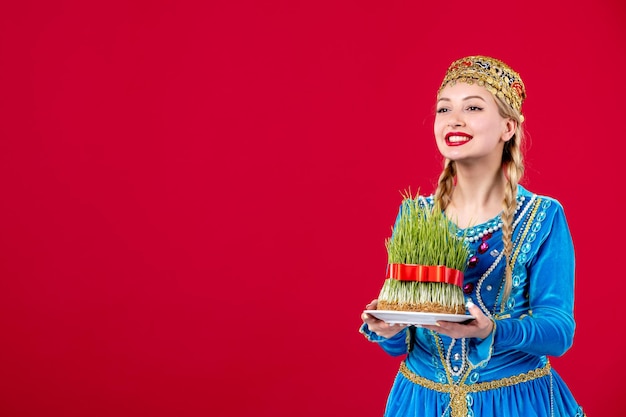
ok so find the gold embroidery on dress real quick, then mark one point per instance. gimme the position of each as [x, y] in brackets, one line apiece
[458, 393]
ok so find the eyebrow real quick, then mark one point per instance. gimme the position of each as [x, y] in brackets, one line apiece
[464, 99]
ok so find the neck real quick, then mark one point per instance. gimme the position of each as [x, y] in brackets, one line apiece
[477, 197]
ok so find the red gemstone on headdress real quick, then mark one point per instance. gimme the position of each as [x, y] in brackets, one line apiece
[473, 261]
[484, 247]
[467, 288]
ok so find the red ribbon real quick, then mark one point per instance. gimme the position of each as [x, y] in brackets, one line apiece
[423, 273]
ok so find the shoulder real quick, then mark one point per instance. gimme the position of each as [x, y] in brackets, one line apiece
[544, 202]
[542, 227]
[541, 210]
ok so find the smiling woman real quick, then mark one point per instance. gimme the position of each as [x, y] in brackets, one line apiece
[195, 194]
[519, 280]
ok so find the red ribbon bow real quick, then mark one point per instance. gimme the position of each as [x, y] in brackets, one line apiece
[423, 273]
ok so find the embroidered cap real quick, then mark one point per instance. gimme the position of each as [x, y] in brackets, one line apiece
[493, 74]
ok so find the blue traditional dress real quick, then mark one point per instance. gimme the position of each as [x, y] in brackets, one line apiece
[508, 373]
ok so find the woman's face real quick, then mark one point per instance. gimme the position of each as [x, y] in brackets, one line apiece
[468, 126]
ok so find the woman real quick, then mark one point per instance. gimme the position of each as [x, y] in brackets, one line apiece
[519, 280]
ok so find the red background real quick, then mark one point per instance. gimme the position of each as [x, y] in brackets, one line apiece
[195, 195]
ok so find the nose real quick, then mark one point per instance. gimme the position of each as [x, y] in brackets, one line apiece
[455, 120]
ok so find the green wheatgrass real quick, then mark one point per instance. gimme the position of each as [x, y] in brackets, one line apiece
[423, 236]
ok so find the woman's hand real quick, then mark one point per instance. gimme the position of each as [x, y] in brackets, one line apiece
[480, 328]
[378, 326]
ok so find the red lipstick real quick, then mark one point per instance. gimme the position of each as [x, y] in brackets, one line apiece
[457, 138]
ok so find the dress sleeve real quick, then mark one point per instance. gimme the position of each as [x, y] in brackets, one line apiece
[480, 350]
[548, 328]
[396, 345]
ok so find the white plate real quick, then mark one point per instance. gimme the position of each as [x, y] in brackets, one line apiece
[413, 317]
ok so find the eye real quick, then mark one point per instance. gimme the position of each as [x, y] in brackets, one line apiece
[474, 108]
[442, 110]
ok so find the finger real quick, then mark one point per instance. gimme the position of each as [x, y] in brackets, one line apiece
[483, 324]
[446, 327]
[436, 327]
[475, 311]
[369, 319]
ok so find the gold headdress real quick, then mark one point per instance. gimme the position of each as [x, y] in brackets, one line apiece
[494, 75]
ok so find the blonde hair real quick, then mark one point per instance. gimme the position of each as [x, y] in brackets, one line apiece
[513, 169]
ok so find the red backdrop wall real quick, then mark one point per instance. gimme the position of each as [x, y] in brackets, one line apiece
[195, 195]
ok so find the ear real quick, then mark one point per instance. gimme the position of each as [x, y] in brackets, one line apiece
[510, 127]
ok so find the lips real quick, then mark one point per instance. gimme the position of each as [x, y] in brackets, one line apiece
[457, 138]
